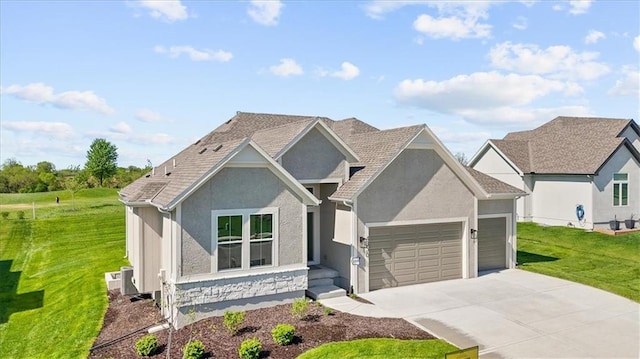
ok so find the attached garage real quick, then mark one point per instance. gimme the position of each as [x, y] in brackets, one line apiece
[492, 243]
[413, 254]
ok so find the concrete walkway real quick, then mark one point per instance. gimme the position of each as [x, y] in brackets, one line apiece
[513, 314]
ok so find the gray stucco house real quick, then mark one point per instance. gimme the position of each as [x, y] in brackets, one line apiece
[258, 211]
[570, 162]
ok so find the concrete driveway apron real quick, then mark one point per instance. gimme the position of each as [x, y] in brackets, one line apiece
[518, 314]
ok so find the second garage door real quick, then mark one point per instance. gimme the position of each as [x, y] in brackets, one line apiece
[412, 254]
[492, 243]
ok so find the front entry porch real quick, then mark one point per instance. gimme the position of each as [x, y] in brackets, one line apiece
[321, 283]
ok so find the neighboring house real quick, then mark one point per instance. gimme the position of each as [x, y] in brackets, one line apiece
[569, 162]
[243, 217]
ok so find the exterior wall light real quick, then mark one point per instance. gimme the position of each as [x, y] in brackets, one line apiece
[364, 242]
[474, 233]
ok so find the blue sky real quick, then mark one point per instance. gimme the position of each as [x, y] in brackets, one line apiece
[153, 76]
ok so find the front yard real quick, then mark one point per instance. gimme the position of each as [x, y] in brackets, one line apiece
[607, 262]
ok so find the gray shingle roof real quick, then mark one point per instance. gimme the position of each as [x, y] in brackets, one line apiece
[272, 133]
[565, 145]
[492, 185]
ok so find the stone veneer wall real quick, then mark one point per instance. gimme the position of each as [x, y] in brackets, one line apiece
[241, 287]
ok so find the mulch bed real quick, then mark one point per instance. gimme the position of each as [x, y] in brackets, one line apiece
[128, 314]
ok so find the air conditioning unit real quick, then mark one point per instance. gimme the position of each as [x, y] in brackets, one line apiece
[126, 281]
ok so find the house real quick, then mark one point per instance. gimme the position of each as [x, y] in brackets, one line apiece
[258, 211]
[583, 172]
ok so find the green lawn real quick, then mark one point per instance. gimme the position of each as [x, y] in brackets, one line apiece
[381, 348]
[52, 289]
[607, 262]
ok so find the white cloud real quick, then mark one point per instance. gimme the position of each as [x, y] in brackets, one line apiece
[166, 10]
[59, 130]
[348, 71]
[287, 67]
[146, 115]
[73, 100]
[594, 36]
[578, 7]
[555, 61]
[137, 138]
[628, 85]
[484, 97]
[451, 27]
[520, 23]
[265, 12]
[121, 127]
[194, 54]
[636, 43]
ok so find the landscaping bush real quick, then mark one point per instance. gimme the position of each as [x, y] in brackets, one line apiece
[193, 350]
[147, 345]
[283, 334]
[299, 307]
[232, 321]
[5, 215]
[250, 349]
[20, 214]
[328, 311]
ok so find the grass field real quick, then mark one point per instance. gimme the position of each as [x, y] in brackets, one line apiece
[382, 348]
[607, 262]
[52, 268]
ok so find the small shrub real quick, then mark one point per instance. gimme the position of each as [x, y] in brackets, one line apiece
[283, 334]
[147, 345]
[193, 350]
[250, 349]
[328, 311]
[5, 215]
[232, 321]
[20, 214]
[299, 307]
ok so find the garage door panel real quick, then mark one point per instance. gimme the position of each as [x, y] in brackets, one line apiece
[403, 255]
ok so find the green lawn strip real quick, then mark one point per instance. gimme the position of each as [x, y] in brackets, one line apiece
[611, 263]
[381, 348]
[62, 259]
[46, 206]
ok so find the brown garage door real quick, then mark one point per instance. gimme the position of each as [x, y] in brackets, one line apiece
[403, 255]
[492, 243]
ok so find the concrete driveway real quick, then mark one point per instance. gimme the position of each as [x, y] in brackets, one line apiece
[517, 314]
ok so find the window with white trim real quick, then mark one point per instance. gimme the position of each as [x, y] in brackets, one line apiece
[620, 189]
[244, 239]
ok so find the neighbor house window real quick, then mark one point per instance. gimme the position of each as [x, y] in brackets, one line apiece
[244, 239]
[620, 189]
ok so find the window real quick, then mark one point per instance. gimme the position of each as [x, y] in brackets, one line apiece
[620, 189]
[244, 239]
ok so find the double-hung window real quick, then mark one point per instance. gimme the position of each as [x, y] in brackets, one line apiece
[244, 239]
[620, 189]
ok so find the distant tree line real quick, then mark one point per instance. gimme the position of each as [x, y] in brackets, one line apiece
[100, 170]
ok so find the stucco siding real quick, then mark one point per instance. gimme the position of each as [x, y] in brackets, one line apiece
[332, 254]
[417, 185]
[314, 158]
[555, 198]
[239, 188]
[621, 162]
[495, 206]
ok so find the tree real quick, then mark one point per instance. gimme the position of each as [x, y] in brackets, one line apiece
[462, 158]
[73, 185]
[102, 159]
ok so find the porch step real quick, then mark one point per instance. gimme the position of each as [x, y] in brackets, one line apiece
[322, 272]
[325, 292]
[320, 282]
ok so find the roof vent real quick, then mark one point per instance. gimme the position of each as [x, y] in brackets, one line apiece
[148, 175]
[218, 147]
[153, 171]
[198, 141]
[174, 162]
[202, 151]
